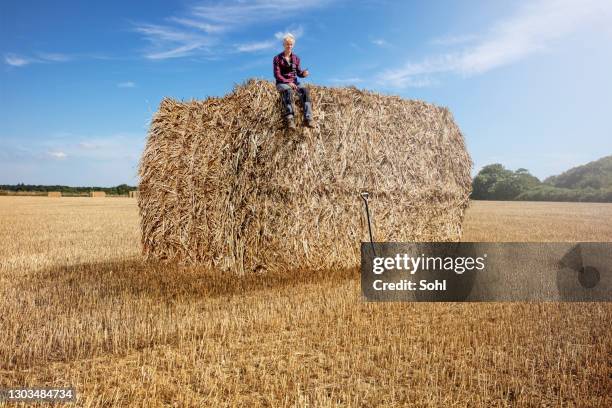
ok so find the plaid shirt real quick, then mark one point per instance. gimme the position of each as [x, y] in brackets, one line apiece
[286, 72]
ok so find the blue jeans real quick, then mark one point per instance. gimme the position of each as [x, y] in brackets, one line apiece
[287, 95]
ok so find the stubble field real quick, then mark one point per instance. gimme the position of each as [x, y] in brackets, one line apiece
[79, 307]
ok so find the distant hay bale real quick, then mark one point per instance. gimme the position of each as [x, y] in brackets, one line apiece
[54, 194]
[223, 184]
[133, 194]
[97, 194]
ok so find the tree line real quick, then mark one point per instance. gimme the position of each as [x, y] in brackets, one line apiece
[591, 182]
[122, 189]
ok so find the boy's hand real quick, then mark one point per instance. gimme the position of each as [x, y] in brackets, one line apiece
[305, 73]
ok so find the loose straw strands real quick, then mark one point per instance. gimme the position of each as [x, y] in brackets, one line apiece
[224, 184]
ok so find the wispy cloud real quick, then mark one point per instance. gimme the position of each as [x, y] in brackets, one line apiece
[103, 147]
[240, 13]
[454, 39]
[41, 57]
[256, 46]
[105, 159]
[206, 27]
[380, 42]
[58, 155]
[168, 42]
[106, 147]
[53, 57]
[535, 27]
[199, 30]
[127, 84]
[16, 60]
[355, 46]
[297, 32]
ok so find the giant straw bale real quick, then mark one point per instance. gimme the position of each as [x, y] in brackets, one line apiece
[223, 184]
[97, 194]
[54, 194]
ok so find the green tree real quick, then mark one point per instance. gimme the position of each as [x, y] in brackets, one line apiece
[495, 182]
[123, 189]
[484, 182]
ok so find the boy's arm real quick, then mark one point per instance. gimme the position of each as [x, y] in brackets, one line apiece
[298, 68]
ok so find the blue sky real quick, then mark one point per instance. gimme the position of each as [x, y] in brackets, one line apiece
[529, 82]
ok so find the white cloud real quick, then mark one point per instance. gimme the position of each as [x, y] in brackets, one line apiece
[454, 39]
[53, 57]
[103, 160]
[380, 42]
[182, 51]
[297, 32]
[159, 33]
[41, 57]
[168, 42]
[206, 27]
[59, 155]
[535, 27]
[198, 31]
[240, 13]
[127, 84]
[16, 60]
[256, 46]
[104, 147]
[112, 147]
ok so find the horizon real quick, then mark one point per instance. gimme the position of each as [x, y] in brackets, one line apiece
[136, 184]
[528, 84]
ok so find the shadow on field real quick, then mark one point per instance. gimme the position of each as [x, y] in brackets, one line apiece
[169, 281]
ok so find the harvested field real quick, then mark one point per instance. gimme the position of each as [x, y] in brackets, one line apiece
[507, 221]
[80, 307]
[224, 185]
